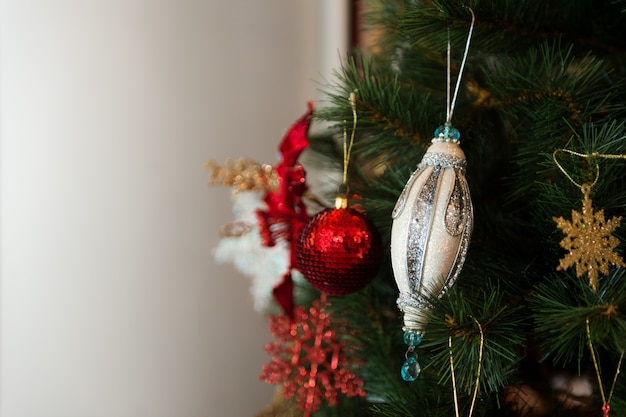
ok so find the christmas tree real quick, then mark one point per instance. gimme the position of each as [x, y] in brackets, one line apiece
[526, 319]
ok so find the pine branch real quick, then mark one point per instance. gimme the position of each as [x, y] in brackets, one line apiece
[562, 305]
[468, 316]
[540, 77]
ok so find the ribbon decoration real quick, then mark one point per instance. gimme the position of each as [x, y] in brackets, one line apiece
[286, 212]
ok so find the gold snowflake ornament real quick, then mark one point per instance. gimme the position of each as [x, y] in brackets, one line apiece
[589, 241]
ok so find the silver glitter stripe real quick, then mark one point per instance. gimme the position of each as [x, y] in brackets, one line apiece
[412, 300]
[443, 160]
[419, 228]
[456, 212]
[402, 199]
[467, 214]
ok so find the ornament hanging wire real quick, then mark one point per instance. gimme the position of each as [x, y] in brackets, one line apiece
[593, 155]
[342, 199]
[347, 148]
[478, 372]
[450, 105]
[606, 402]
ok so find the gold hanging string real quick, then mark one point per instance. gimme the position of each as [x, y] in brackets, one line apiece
[347, 148]
[478, 372]
[606, 402]
[341, 201]
[480, 362]
[617, 372]
[456, 400]
[594, 155]
[564, 171]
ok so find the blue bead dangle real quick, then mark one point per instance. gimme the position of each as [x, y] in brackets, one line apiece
[411, 367]
[412, 338]
[447, 133]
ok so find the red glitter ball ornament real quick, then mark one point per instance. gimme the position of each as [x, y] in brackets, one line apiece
[339, 251]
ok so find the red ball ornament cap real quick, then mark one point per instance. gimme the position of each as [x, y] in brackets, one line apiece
[339, 250]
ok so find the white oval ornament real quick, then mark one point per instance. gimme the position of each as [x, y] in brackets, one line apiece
[432, 224]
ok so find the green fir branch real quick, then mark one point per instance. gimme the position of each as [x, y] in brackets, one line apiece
[540, 76]
[458, 316]
[562, 305]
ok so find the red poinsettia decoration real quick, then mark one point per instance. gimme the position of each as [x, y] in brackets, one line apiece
[309, 360]
[286, 212]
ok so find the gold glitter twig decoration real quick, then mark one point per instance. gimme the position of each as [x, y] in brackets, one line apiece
[243, 175]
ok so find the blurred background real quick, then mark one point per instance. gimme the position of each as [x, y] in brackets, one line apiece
[110, 302]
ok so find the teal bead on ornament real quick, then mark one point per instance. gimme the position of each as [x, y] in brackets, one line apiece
[412, 338]
[410, 369]
[447, 133]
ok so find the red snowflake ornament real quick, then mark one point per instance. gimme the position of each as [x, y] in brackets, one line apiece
[308, 360]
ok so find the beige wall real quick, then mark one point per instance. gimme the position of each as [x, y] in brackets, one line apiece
[110, 303]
